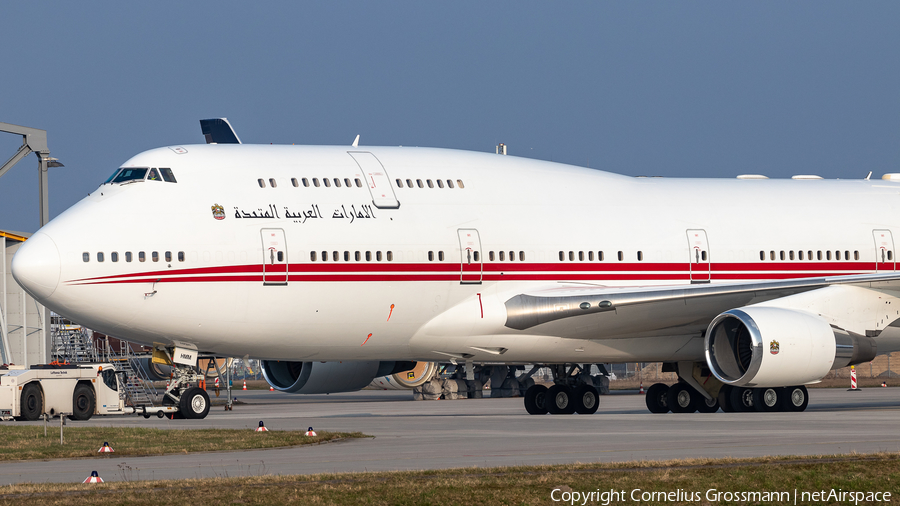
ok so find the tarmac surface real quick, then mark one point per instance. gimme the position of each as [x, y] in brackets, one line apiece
[416, 435]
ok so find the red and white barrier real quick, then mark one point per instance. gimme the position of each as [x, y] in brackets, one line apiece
[262, 427]
[311, 432]
[106, 448]
[853, 387]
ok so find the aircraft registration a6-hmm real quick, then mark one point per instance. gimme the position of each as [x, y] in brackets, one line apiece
[338, 264]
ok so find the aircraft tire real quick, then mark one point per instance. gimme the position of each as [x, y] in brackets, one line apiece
[724, 399]
[741, 399]
[795, 398]
[705, 405]
[83, 402]
[559, 400]
[657, 399]
[587, 400]
[767, 399]
[194, 403]
[536, 400]
[682, 398]
[167, 401]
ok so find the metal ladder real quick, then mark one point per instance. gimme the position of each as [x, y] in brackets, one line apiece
[138, 389]
[72, 344]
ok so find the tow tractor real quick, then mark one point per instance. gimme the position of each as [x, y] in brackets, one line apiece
[83, 390]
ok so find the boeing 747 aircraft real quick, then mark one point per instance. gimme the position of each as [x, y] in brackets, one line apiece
[338, 264]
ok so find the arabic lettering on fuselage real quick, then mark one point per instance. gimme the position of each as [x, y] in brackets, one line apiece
[353, 213]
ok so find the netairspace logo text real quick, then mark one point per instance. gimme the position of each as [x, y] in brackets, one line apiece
[611, 496]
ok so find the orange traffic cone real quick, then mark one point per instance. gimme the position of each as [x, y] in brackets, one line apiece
[245, 384]
[106, 448]
[311, 432]
[271, 389]
[262, 427]
[642, 387]
[93, 478]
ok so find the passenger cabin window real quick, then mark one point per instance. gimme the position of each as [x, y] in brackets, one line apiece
[460, 183]
[155, 256]
[99, 256]
[502, 256]
[621, 256]
[399, 183]
[169, 256]
[378, 256]
[358, 183]
[440, 183]
[337, 183]
[312, 256]
[86, 256]
[390, 256]
[127, 256]
[316, 182]
[327, 182]
[305, 182]
[181, 256]
[640, 256]
[262, 183]
[431, 256]
[114, 256]
[419, 183]
[449, 183]
[295, 182]
[347, 182]
[430, 184]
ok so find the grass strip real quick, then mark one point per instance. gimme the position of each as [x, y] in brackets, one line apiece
[27, 442]
[511, 485]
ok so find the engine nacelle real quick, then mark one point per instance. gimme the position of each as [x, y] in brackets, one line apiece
[155, 372]
[762, 346]
[327, 377]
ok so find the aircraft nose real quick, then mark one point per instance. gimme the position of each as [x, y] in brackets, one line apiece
[36, 266]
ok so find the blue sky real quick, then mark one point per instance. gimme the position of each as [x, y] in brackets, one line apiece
[699, 89]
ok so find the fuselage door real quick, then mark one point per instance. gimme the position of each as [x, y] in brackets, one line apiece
[699, 251]
[470, 250]
[275, 259]
[376, 179]
[884, 251]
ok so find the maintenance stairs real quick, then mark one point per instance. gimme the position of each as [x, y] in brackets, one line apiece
[74, 344]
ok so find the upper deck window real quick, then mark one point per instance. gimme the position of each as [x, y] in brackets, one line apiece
[130, 175]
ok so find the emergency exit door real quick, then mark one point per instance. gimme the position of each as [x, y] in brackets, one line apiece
[470, 252]
[699, 252]
[884, 251]
[275, 259]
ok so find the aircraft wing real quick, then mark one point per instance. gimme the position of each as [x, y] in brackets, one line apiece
[864, 304]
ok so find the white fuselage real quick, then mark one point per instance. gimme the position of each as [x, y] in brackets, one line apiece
[416, 290]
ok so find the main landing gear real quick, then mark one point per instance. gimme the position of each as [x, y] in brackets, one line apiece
[685, 397]
[573, 391]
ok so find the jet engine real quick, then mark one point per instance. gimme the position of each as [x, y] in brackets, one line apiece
[761, 346]
[327, 377]
[155, 372]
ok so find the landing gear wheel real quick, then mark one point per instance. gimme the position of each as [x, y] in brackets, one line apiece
[32, 402]
[168, 401]
[657, 398]
[724, 398]
[767, 399]
[587, 400]
[194, 403]
[559, 400]
[83, 402]
[682, 398]
[741, 399]
[705, 405]
[795, 398]
[536, 400]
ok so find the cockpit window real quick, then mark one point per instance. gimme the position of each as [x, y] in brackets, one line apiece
[112, 176]
[154, 175]
[167, 175]
[129, 175]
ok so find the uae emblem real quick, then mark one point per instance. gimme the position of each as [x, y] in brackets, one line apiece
[774, 348]
[218, 212]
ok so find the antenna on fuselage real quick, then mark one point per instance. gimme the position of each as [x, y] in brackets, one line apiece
[356, 142]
